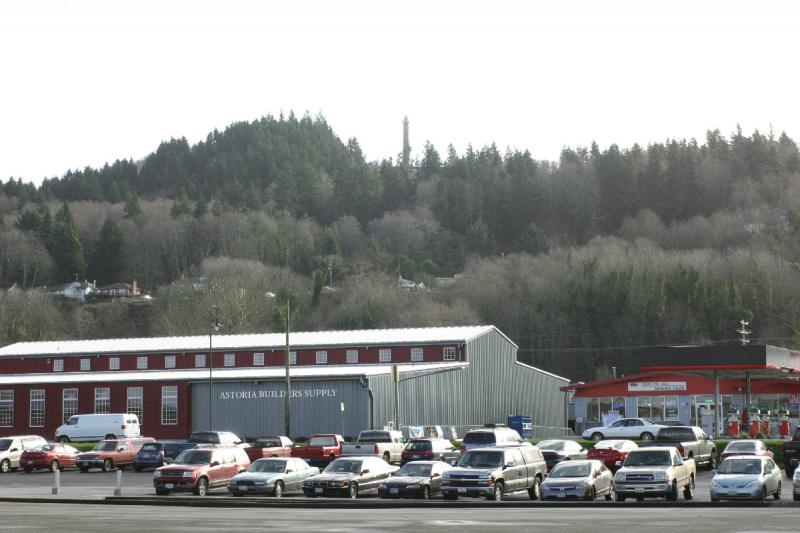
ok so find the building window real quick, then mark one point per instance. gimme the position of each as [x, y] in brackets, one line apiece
[292, 357]
[37, 408]
[6, 408]
[169, 405]
[136, 402]
[449, 353]
[352, 356]
[58, 365]
[258, 359]
[86, 365]
[322, 358]
[598, 408]
[169, 361]
[69, 404]
[200, 360]
[141, 363]
[385, 356]
[416, 354]
[113, 363]
[102, 400]
[230, 359]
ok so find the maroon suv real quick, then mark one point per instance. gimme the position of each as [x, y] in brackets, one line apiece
[200, 469]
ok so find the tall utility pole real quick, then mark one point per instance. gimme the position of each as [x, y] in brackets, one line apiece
[396, 379]
[214, 325]
[287, 406]
[406, 144]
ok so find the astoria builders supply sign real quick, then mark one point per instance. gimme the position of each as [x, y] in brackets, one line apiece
[280, 393]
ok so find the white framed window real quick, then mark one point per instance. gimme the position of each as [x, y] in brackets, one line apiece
[322, 358]
[6, 408]
[169, 362]
[200, 360]
[449, 353]
[292, 358]
[230, 359]
[69, 403]
[169, 405]
[136, 402]
[352, 356]
[102, 400]
[385, 355]
[280, 356]
[86, 365]
[258, 359]
[37, 408]
[416, 354]
[58, 365]
[113, 363]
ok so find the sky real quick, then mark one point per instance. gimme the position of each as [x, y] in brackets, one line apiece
[88, 82]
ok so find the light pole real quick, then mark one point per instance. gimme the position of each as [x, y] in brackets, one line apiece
[287, 401]
[214, 325]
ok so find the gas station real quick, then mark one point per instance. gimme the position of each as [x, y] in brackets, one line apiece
[727, 390]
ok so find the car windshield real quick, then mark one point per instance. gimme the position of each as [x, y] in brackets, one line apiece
[268, 466]
[480, 459]
[554, 445]
[105, 446]
[339, 465]
[268, 443]
[374, 436]
[194, 457]
[568, 470]
[741, 447]
[479, 437]
[152, 447]
[414, 470]
[322, 441]
[419, 445]
[680, 434]
[653, 458]
[204, 438]
[740, 466]
[44, 448]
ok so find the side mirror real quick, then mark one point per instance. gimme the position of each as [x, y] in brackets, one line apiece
[714, 472]
[435, 474]
[214, 463]
[618, 464]
[120, 449]
[509, 464]
[365, 471]
[454, 463]
[597, 474]
[14, 450]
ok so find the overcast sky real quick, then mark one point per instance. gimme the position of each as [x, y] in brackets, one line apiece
[85, 82]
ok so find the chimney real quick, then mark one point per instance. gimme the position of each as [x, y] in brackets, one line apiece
[134, 289]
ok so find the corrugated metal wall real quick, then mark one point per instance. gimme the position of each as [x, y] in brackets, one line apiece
[491, 388]
[252, 409]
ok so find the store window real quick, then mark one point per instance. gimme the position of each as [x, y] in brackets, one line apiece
[6, 408]
[69, 404]
[643, 406]
[136, 402]
[597, 408]
[169, 405]
[671, 408]
[37, 408]
[102, 400]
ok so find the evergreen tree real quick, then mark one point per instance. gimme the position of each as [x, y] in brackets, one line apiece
[66, 247]
[181, 206]
[132, 206]
[106, 260]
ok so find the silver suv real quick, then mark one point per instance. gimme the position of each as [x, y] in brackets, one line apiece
[494, 472]
[481, 438]
[11, 449]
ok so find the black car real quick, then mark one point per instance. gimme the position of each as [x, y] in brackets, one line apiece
[350, 477]
[557, 450]
[417, 479]
[430, 449]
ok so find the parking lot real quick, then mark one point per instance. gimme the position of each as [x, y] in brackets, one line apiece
[98, 485]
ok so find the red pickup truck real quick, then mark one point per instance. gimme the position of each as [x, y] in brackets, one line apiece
[322, 449]
[111, 453]
[270, 447]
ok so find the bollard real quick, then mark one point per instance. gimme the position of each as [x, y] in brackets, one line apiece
[56, 490]
[118, 490]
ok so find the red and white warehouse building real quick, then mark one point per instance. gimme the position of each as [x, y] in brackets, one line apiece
[449, 376]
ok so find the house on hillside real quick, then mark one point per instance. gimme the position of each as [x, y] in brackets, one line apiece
[410, 286]
[74, 291]
[118, 290]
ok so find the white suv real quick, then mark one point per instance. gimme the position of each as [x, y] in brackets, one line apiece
[11, 449]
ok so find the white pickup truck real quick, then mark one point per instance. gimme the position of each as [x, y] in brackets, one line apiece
[386, 444]
[655, 473]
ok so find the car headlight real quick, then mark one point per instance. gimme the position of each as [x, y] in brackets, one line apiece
[796, 475]
[619, 477]
[414, 486]
[157, 474]
[383, 485]
[753, 483]
[660, 476]
[714, 484]
[259, 482]
[188, 474]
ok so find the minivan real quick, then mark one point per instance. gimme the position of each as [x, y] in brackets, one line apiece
[97, 427]
[11, 448]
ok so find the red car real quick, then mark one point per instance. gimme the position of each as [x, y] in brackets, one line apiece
[111, 453]
[53, 456]
[270, 447]
[745, 447]
[611, 451]
[322, 449]
[200, 469]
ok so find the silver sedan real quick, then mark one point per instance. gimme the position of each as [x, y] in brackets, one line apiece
[582, 479]
[746, 477]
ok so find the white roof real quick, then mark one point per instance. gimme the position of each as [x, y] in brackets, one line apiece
[268, 341]
[201, 374]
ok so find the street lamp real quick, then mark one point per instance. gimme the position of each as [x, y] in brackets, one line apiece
[287, 402]
[214, 325]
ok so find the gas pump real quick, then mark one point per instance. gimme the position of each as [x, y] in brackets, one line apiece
[783, 422]
[733, 420]
[755, 421]
[764, 414]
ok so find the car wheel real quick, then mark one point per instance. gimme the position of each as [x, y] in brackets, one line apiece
[63, 438]
[789, 470]
[597, 436]
[426, 493]
[387, 457]
[138, 468]
[83, 469]
[161, 492]
[796, 497]
[610, 496]
[777, 494]
[672, 495]
[619, 497]
[278, 492]
[28, 470]
[108, 465]
[201, 487]
[590, 497]
[237, 494]
[353, 491]
[54, 465]
[712, 461]
[764, 493]
[5, 466]
[450, 497]
[497, 492]
[535, 492]
[714, 499]
[646, 436]
[688, 490]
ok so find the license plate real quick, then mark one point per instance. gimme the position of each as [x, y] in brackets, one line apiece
[562, 495]
[243, 488]
[462, 489]
[169, 485]
[731, 493]
[318, 490]
[639, 489]
[30, 462]
[394, 491]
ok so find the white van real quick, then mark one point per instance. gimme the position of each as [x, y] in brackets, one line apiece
[98, 427]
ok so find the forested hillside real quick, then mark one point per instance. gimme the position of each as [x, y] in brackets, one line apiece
[577, 260]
